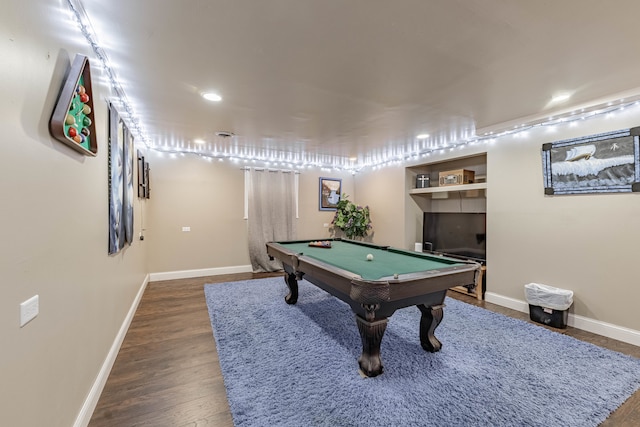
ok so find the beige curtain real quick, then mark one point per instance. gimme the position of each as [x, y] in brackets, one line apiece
[272, 213]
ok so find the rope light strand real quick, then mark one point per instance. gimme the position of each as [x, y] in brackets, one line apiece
[84, 24]
[372, 161]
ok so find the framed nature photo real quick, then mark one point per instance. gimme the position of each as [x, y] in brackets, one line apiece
[603, 163]
[330, 191]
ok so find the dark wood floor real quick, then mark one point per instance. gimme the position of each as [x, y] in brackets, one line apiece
[167, 371]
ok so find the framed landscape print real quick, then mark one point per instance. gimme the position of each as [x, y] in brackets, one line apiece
[330, 191]
[603, 163]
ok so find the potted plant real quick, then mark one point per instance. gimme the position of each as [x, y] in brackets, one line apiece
[352, 219]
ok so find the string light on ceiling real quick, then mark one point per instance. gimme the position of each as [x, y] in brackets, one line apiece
[126, 111]
[400, 157]
[327, 162]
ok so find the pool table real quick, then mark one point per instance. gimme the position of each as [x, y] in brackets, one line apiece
[376, 288]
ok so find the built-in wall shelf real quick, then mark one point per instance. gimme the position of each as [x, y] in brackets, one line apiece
[435, 197]
[428, 197]
[448, 188]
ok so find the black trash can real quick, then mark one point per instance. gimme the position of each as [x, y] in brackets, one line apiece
[548, 305]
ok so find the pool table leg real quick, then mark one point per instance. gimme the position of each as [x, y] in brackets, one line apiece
[371, 333]
[431, 318]
[292, 282]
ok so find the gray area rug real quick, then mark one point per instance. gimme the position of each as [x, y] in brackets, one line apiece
[296, 365]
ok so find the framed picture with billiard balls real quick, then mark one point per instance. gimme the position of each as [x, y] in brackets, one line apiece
[72, 121]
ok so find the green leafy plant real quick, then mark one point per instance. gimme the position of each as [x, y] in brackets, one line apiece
[352, 219]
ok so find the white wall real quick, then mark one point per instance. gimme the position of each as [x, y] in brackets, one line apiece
[54, 213]
[55, 216]
[383, 191]
[208, 196]
[586, 243]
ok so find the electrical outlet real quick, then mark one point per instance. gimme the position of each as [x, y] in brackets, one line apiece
[29, 309]
[186, 228]
[326, 225]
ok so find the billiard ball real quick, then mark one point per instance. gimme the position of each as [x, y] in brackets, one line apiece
[72, 132]
[85, 131]
[395, 275]
[369, 257]
[77, 139]
[86, 121]
[84, 97]
[86, 109]
[70, 120]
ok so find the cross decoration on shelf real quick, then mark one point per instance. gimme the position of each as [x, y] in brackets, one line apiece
[422, 181]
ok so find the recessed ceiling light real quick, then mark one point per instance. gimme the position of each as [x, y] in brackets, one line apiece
[199, 141]
[423, 136]
[561, 97]
[212, 96]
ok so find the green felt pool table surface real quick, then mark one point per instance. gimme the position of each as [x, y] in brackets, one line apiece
[386, 262]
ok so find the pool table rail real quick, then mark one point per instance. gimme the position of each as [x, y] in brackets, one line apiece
[456, 273]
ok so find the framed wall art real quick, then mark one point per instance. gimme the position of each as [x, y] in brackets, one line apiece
[127, 208]
[121, 149]
[72, 121]
[147, 179]
[329, 192]
[116, 187]
[603, 163]
[143, 176]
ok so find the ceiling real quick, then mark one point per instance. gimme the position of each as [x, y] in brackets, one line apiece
[359, 79]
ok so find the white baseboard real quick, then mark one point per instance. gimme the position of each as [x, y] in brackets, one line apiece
[186, 274]
[609, 330]
[83, 418]
[89, 405]
[511, 303]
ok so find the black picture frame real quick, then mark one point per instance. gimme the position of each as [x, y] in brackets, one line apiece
[147, 179]
[127, 205]
[116, 183]
[602, 163]
[329, 193]
[142, 177]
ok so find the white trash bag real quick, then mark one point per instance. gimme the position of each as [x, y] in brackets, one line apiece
[548, 296]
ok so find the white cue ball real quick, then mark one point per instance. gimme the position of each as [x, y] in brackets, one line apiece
[369, 257]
